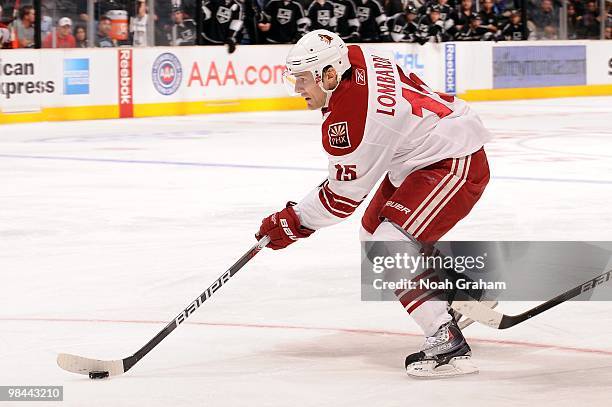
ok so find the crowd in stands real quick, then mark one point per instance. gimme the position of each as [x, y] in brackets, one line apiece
[64, 23]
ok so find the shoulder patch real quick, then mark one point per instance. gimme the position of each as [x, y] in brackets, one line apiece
[360, 76]
[338, 135]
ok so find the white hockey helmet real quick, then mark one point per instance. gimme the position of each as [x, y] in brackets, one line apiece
[313, 53]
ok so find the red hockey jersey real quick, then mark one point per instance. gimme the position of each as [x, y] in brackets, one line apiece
[384, 120]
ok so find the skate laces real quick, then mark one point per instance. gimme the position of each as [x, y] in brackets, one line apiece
[441, 336]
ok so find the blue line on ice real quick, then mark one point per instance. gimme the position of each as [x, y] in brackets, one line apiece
[267, 167]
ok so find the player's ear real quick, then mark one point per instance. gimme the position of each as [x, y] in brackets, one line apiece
[330, 73]
[330, 78]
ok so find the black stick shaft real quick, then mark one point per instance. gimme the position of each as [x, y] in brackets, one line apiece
[180, 318]
[511, 320]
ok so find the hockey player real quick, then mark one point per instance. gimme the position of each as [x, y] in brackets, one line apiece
[284, 21]
[321, 15]
[223, 20]
[402, 26]
[381, 121]
[372, 19]
[347, 24]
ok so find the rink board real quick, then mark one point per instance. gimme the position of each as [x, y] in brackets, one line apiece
[76, 84]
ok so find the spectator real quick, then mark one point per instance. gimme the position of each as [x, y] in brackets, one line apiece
[513, 30]
[545, 16]
[138, 25]
[283, 21]
[223, 21]
[46, 21]
[80, 36]
[608, 33]
[249, 33]
[488, 17]
[461, 17]
[81, 11]
[431, 28]
[550, 33]
[63, 35]
[183, 30]
[402, 26]
[589, 25]
[500, 7]
[347, 24]
[573, 22]
[24, 27]
[578, 6]
[5, 33]
[372, 21]
[474, 31]
[393, 7]
[445, 11]
[103, 38]
[320, 14]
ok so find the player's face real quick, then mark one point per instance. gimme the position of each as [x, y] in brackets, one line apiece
[310, 90]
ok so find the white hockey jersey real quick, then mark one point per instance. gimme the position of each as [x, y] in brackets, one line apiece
[384, 120]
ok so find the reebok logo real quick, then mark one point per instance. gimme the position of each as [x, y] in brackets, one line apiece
[360, 77]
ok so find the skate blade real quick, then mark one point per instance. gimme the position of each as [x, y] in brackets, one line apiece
[459, 366]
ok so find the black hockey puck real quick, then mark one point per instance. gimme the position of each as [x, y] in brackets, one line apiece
[98, 374]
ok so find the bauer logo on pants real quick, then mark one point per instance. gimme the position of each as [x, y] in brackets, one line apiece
[167, 74]
[338, 135]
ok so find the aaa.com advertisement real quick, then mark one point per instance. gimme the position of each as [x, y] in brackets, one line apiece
[192, 73]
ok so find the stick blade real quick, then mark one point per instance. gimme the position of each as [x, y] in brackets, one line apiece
[478, 312]
[80, 365]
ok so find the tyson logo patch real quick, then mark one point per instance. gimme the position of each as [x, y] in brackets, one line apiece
[339, 135]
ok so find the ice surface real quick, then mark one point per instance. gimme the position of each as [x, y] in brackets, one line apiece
[109, 228]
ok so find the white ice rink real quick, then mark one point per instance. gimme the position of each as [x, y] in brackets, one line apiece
[109, 228]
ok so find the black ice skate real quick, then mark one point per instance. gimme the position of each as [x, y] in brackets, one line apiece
[442, 355]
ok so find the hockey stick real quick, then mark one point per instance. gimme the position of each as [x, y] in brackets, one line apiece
[487, 316]
[97, 369]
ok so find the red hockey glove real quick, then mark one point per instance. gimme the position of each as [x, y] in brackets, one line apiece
[283, 228]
